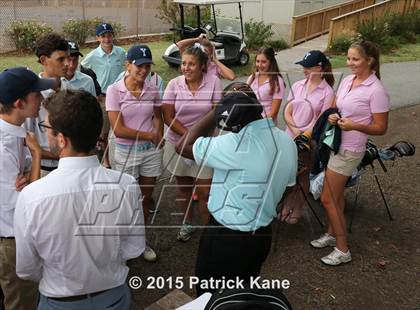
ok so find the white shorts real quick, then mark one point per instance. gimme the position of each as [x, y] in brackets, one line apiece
[139, 160]
[184, 167]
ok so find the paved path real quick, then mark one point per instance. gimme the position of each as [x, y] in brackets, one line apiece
[402, 79]
[286, 58]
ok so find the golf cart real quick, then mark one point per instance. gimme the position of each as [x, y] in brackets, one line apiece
[226, 34]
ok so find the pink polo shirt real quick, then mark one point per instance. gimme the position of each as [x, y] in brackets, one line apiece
[189, 108]
[263, 92]
[213, 69]
[137, 113]
[307, 107]
[359, 104]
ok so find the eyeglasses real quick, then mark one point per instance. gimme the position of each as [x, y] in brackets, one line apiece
[42, 126]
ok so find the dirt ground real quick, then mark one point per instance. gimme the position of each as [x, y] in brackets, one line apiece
[384, 273]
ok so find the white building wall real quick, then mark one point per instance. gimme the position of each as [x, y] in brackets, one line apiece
[280, 12]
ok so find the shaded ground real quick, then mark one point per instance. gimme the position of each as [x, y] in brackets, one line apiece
[384, 273]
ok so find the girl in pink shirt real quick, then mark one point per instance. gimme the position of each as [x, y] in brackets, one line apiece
[186, 100]
[307, 99]
[363, 104]
[134, 110]
[267, 82]
[214, 65]
[311, 96]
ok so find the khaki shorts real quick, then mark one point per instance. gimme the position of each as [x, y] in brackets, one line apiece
[345, 162]
[183, 167]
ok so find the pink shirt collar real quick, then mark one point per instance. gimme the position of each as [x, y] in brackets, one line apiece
[120, 85]
[184, 85]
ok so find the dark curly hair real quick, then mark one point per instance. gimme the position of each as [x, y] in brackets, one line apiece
[78, 116]
[49, 43]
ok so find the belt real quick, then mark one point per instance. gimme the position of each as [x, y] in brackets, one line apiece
[7, 238]
[140, 147]
[78, 297]
[46, 168]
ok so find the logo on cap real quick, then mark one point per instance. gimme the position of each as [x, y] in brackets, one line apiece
[144, 50]
[72, 45]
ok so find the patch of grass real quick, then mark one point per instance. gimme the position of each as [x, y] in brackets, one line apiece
[407, 52]
[158, 48]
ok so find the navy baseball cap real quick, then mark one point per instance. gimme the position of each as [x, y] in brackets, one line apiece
[74, 48]
[103, 28]
[312, 59]
[18, 82]
[139, 54]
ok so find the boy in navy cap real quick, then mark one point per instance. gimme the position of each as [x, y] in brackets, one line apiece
[75, 78]
[20, 98]
[107, 60]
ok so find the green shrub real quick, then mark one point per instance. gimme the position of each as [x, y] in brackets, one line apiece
[170, 13]
[24, 33]
[341, 43]
[407, 37]
[400, 24]
[257, 33]
[79, 30]
[278, 45]
[377, 31]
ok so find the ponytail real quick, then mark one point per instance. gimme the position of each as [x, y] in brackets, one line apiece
[327, 74]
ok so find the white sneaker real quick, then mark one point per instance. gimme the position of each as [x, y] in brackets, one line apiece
[323, 241]
[336, 258]
[149, 254]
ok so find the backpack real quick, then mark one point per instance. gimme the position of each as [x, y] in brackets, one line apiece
[248, 299]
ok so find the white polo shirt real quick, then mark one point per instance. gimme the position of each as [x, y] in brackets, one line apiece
[15, 159]
[76, 227]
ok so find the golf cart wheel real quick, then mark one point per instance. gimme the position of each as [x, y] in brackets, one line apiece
[243, 58]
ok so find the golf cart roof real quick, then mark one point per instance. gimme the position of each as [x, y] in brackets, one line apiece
[209, 2]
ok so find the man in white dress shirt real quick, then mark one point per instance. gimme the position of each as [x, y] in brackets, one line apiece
[20, 98]
[77, 227]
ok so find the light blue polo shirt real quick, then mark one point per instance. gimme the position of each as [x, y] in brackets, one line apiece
[252, 169]
[106, 66]
[81, 81]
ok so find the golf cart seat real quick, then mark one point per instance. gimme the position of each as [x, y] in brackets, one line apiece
[189, 32]
[217, 45]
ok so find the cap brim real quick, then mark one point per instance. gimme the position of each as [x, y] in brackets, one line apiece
[104, 31]
[305, 64]
[76, 53]
[44, 84]
[142, 61]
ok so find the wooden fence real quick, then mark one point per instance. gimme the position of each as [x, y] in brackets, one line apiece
[348, 22]
[315, 23]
